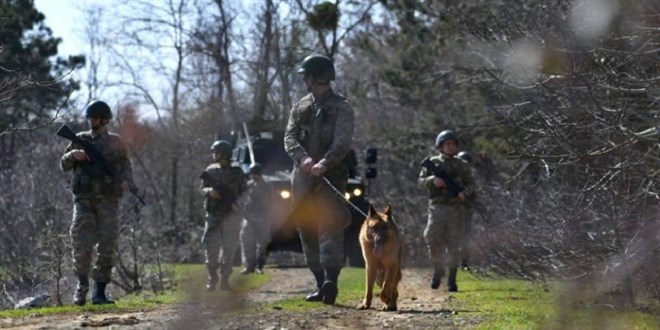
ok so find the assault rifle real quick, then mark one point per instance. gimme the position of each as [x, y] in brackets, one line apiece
[228, 196]
[452, 188]
[99, 163]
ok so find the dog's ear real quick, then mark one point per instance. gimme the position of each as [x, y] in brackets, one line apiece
[372, 212]
[388, 211]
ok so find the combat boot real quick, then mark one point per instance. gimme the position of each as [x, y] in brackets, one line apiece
[437, 276]
[464, 264]
[99, 297]
[80, 296]
[247, 270]
[329, 290]
[316, 295]
[451, 285]
[261, 261]
[224, 283]
[213, 277]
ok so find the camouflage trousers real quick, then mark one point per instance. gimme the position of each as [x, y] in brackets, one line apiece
[445, 233]
[220, 240]
[94, 223]
[321, 217]
[255, 236]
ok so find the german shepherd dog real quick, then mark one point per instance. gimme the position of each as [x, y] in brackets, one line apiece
[381, 248]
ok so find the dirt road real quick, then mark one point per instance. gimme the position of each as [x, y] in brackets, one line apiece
[419, 308]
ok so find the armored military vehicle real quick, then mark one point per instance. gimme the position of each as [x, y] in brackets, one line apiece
[268, 149]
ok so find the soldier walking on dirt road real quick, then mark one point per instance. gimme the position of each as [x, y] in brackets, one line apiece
[221, 186]
[96, 195]
[448, 211]
[318, 137]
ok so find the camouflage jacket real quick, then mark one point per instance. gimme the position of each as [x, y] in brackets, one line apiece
[231, 178]
[458, 170]
[92, 181]
[258, 198]
[321, 129]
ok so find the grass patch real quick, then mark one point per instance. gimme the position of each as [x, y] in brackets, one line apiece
[189, 279]
[502, 303]
[188, 275]
[497, 304]
[494, 303]
[128, 303]
[516, 304]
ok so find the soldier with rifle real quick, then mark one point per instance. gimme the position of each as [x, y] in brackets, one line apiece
[449, 182]
[101, 172]
[221, 186]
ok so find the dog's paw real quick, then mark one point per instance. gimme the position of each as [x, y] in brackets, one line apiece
[362, 306]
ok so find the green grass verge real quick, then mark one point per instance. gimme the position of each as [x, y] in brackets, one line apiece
[188, 278]
[516, 304]
[497, 304]
[494, 303]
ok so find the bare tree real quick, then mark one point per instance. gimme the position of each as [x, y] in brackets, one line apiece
[263, 65]
[566, 111]
[213, 39]
[325, 20]
[156, 29]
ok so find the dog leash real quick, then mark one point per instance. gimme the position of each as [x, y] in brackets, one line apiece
[343, 196]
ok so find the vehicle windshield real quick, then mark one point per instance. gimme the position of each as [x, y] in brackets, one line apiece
[271, 154]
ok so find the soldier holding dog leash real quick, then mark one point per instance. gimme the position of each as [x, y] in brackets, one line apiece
[318, 137]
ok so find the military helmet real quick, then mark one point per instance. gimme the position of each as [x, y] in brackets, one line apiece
[466, 156]
[319, 66]
[222, 147]
[255, 168]
[444, 136]
[98, 109]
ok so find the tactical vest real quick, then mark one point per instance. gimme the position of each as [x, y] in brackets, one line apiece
[90, 179]
[452, 167]
[232, 178]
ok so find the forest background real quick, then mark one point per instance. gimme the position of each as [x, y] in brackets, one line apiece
[558, 101]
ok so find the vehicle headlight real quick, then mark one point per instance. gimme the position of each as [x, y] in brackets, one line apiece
[357, 192]
[285, 194]
[347, 195]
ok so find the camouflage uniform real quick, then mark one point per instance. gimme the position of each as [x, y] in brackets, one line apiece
[95, 203]
[255, 232]
[448, 216]
[223, 220]
[323, 130]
